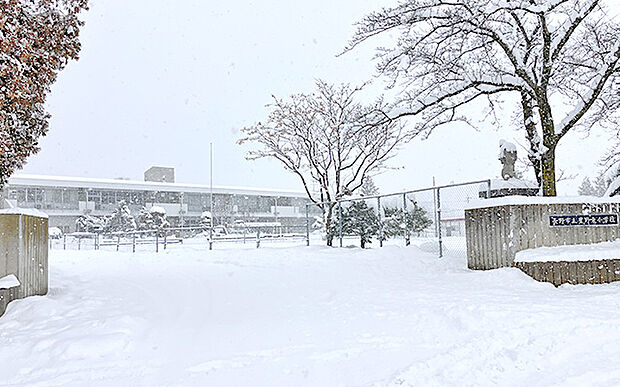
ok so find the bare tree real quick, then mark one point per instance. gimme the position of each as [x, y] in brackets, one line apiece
[328, 139]
[449, 54]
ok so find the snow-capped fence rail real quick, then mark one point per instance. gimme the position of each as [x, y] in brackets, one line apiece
[497, 229]
[23, 255]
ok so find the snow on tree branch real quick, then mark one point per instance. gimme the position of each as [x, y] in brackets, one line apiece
[328, 139]
[448, 54]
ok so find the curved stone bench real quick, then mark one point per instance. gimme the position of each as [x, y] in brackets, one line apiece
[9, 287]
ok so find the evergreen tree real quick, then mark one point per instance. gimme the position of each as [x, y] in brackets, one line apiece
[89, 223]
[368, 187]
[394, 222]
[158, 214]
[360, 220]
[144, 220]
[121, 219]
[600, 186]
[586, 189]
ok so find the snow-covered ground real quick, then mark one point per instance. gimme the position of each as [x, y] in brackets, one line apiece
[313, 316]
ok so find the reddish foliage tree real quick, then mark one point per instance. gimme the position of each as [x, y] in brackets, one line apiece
[37, 40]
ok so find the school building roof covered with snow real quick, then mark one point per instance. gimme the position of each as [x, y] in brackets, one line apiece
[64, 199]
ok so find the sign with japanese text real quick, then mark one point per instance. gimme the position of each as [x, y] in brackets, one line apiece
[583, 220]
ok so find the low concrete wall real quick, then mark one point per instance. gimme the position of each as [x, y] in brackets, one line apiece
[497, 229]
[23, 253]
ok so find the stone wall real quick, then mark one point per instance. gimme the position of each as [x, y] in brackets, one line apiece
[574, 273]
[23, 253]
[497, 229]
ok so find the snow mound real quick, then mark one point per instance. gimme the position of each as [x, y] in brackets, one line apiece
[506, 146]
[157, 210]
[571, 253]
[10, 281]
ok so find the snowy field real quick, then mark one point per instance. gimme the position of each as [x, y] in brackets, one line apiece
[281, 316]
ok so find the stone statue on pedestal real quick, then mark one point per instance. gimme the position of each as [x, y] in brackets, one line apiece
[508, 157]
[510, 183]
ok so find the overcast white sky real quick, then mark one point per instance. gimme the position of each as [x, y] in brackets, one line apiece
[160, 79]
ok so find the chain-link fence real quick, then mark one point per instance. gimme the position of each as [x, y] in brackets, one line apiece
[433, 219]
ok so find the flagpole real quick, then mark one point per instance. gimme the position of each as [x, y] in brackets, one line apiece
[211, 190]
[211, 180]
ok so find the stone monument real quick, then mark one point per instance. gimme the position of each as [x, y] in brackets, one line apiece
[510, 184]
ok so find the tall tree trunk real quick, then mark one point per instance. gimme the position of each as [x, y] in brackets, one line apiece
[534, 154]
[548, 173]
[329, 217]
[550, 141]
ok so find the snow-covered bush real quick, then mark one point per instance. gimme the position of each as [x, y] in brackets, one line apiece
[89, 223]
[144, 220]
[121, 219]
[158, 215]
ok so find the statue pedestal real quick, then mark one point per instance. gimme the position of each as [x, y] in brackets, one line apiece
[510, 187]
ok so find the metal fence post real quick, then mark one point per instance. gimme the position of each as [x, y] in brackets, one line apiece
[156, 242]
[165, 239]
[118, 241]
[96, 241]
[307, 226]
[79, 243]
[340, 222]
[133, 244]
[406, 220]
[489, 189]
[439, 223]
[64, 242]
[211, 234]
[258, 238]
[380, 221]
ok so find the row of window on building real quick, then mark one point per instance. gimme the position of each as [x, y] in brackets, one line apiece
[70, 198]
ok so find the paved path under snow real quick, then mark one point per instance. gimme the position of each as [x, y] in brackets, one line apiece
[305, 316]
